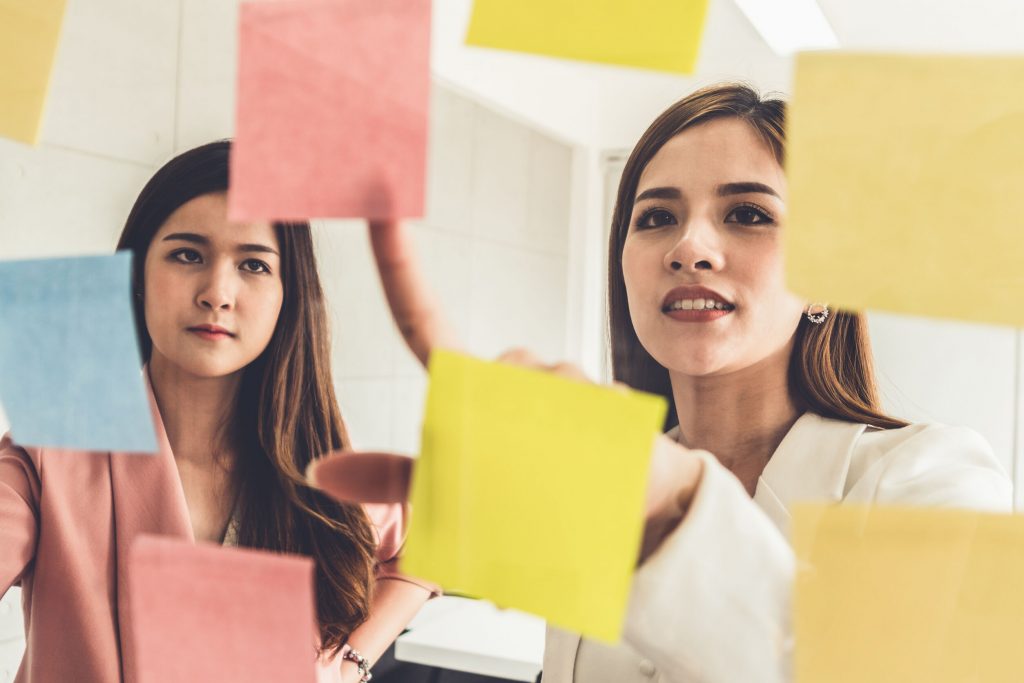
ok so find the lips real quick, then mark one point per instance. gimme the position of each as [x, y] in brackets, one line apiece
[695, 297]
[211, 331]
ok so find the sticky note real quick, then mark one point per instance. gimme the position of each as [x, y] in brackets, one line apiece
[29, 31]
[70, 367]
[898, 594]
[662, 35]
[209, 613]
[904, 184]
[332, 108]
[529, 491]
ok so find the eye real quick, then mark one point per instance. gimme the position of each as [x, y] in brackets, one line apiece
[749, 214]
[256, 266]
[187, 256]
[655, 218]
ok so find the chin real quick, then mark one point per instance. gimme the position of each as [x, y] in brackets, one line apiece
[693, 362]
[208, 368]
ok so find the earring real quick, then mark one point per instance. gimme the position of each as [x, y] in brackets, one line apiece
[817, 313]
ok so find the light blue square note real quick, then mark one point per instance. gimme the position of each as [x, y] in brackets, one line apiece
[70, 368]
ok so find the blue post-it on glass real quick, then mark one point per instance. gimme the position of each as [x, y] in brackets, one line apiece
[70, 367]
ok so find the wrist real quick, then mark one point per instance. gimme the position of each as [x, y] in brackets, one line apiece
[353, 661]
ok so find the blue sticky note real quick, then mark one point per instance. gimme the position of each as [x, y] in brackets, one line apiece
[70, 367]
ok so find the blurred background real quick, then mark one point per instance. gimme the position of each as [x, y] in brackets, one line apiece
[525, 154]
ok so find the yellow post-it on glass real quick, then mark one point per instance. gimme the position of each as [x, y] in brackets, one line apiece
[901, 594]
[29, 30]
[529, 491]
[663, 35]
[905, 180]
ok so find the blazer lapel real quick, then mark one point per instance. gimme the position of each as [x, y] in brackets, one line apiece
[810, 465]
[148, 499]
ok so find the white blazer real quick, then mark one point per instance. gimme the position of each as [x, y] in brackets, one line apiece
[712, 604]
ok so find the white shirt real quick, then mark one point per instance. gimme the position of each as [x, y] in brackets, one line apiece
[712, 604]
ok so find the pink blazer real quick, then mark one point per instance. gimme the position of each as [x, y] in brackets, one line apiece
[67, 520]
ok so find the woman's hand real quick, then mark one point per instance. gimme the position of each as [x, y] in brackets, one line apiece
[414, 307]
[675, 470]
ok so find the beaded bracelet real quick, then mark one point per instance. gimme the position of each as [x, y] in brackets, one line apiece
[361, 662]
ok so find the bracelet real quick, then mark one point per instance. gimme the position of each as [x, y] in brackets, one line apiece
[361, 662]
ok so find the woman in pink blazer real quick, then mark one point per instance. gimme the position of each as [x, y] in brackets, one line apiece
[232, 325]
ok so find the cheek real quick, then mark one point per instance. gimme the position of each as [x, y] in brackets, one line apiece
[161, 294]
[268, 308]
[636, 269]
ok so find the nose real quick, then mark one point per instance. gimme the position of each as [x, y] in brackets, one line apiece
[697, 248]
[218, 290]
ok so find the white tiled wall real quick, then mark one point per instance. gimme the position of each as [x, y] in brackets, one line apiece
[113, 88]
[956, 373]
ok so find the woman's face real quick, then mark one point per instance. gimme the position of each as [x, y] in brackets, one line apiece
[702, 260]
[213, 289]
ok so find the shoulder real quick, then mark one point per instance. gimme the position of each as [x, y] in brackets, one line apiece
[11, 452]
[928, 463]
[19, 468]
[926, 444]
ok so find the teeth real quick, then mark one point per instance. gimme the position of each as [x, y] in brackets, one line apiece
[698, 305]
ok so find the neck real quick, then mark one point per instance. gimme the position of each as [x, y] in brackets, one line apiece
[195, 411]
[740, 417]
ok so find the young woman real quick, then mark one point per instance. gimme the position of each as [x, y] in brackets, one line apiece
[773, 401]
[233, 329]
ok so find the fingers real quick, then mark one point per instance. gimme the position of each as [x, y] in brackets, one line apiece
[414, 308]
[526, 358]
[353, 477]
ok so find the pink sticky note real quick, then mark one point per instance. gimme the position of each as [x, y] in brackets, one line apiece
[333, 98]
[208, 613]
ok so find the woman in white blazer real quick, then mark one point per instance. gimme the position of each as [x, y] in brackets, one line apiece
[773, 400]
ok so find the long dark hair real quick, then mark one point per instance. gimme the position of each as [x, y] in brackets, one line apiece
[286, 413]
[831, 372]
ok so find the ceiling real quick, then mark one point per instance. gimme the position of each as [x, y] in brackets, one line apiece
[608, 107]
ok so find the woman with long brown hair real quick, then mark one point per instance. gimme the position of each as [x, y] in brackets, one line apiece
[233, 328]
[773, 399]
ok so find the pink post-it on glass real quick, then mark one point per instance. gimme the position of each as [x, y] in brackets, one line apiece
[208, 613]
[332, 110]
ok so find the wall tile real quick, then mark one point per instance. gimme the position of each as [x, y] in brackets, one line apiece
[450, 161]
[550, 189]
[446, 259]
[57, 202]
[368, 408]
[518, 300]
[364, 337]
[501, 183]
[113, 87]
[207, 73]
[410, 400]
[955, 373]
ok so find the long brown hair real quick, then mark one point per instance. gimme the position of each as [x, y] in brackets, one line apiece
[830, 371]
[286, 413]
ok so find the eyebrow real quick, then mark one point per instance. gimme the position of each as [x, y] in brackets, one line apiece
[745, 188]
[658, 193]
[200, 239]
[724, 190]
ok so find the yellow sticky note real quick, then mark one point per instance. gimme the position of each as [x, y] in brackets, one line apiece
[663, 35]
[29, 30]
[905, 180]
[900, 594]
[529, 491]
